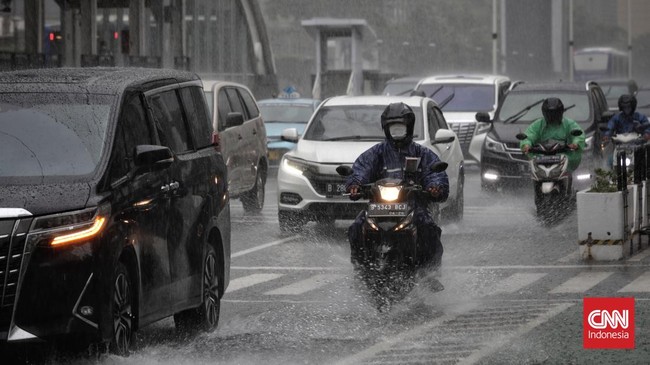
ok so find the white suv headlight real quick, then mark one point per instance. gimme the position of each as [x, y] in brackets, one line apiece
[293, 166]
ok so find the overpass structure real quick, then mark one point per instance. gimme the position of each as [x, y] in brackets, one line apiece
[224, 39]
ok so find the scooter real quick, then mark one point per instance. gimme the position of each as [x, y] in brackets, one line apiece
[628, 142]
[390, 254]
[552, 183]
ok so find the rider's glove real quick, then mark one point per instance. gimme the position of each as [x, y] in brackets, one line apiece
[573, 146]
[605, 139]
[525, 148]
[434, 191]
[354, 192]
[646, 136]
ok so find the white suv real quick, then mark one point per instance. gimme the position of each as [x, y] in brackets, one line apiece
[460, 97]
[343, 127]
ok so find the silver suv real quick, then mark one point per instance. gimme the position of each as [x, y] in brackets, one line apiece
[460, 97]
[238, 125]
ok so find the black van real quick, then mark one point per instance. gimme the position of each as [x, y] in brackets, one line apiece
[114, 208]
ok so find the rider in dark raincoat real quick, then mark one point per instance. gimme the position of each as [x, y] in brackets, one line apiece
[386, 160]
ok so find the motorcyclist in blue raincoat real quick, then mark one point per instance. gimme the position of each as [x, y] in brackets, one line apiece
[627, 120]
[386, 160]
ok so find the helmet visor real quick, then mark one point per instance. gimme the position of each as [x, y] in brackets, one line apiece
[397, 130]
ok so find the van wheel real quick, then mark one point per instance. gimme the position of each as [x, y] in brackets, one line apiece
[123, 333]
[205, 317]
[253, 200]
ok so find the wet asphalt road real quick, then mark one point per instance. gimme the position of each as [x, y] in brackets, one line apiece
[513, 292]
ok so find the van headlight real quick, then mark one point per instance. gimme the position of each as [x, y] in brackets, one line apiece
[66, 229]
[493, 145]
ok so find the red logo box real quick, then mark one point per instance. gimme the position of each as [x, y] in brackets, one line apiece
[608, 323]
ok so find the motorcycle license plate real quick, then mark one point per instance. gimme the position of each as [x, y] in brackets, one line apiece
[387, 209]
[335, 188]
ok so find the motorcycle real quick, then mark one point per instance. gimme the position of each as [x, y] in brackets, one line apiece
[552, 183]
[390, 253]
[628, 142]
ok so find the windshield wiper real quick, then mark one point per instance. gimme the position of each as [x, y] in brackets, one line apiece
[354, 138]
[644, 106]
[569, 107]
[447, 100]
[515, 117]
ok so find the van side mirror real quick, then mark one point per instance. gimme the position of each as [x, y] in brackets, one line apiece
[234, 119]
[152, 157]
[483, 117]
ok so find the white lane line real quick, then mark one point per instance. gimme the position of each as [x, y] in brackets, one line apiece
[514, 283]
[266, 245]
[499, 342]
[250, 280]
[303, 286]
[582, 282]
[640, 284]
[639, 256]
[401, 337]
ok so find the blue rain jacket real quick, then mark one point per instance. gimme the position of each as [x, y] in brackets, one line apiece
[384, 160]
[622, 124]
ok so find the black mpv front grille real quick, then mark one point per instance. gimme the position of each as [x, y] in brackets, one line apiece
[13, 234]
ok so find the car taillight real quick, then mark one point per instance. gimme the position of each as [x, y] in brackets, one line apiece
[216, 141]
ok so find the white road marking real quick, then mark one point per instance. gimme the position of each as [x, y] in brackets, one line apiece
[640, 284]
[400, 337]
[250, 280]
[266, 245]
[640, 256]
[582, 282]
[514, 283]
[499, 342]
[303, 286]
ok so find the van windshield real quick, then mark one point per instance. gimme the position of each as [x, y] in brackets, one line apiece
[52, 134]
[461, 97]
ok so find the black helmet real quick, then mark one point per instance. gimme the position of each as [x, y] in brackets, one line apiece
[627, 104]
[397, 121]
[553, 110]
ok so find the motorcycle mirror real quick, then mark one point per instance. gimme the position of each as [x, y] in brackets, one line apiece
[576, 132]
[521, 136]
[344, 170]
[439, 166]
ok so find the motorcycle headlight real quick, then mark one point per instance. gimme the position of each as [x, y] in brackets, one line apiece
[493, 145]
[65, 229]
[389, 193]
[293, 166]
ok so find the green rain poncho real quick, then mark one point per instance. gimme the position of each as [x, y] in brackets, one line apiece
[540, 131]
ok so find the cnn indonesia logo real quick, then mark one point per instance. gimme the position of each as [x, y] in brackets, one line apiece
[608, 323]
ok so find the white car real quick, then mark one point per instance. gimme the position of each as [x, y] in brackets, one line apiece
[237, 123]
[460, 97]
[343, 127]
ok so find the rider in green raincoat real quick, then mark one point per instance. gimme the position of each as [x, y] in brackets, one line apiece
[555, 126]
